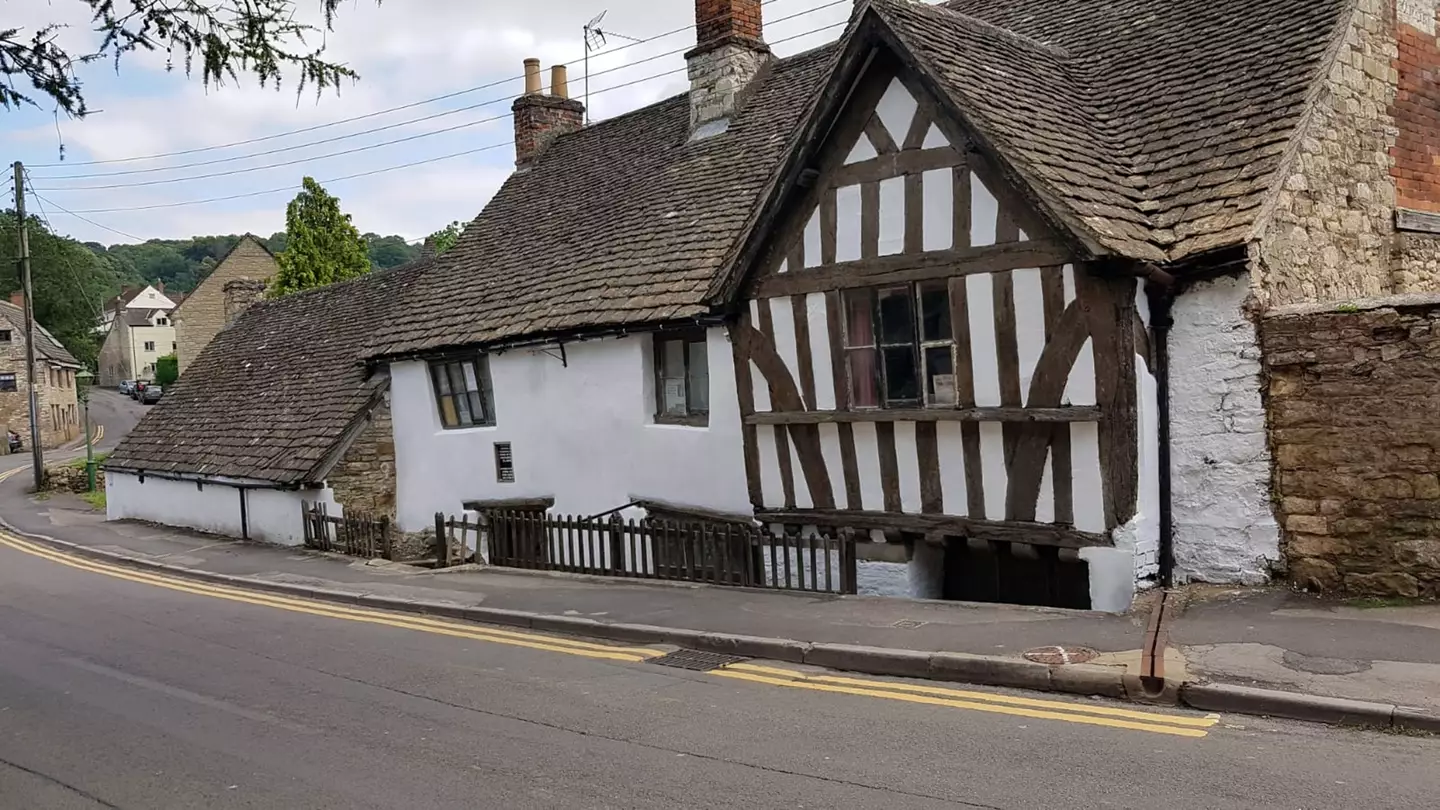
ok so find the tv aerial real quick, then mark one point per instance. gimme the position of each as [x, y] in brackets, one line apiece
[596, 38]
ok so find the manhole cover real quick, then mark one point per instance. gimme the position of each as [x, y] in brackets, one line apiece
[698, 660]
[908, 624]
[1060, 655]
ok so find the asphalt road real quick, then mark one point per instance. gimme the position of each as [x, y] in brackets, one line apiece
[166, 694]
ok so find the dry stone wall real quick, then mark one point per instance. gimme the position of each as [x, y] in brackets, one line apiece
[1354, 392]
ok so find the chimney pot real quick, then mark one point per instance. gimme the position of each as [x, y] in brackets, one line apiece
[559, 84]
[18, 298]
[532, 77]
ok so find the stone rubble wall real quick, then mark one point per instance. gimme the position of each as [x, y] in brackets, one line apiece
[1354, 393]
[202, 315]
[364, 480]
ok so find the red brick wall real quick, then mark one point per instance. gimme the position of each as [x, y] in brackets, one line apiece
[540, 120]
[1416, 154]
[727, 19]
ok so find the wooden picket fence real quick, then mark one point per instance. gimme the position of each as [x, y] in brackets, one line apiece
[355, 533]
[707, 552]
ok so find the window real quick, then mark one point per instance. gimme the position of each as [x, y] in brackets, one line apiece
[4, 335]
[162, 322]
[7, 382]
[899, 347]
[462, 392]
[149, 345]
[173, 345]
[682, 378]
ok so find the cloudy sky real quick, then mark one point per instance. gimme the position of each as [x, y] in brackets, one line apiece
[405, 51]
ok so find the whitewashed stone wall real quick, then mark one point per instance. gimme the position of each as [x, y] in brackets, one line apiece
[1224, 524]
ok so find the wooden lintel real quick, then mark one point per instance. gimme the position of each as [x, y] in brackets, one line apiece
[514, 504]
[906, 267]
[666, 510]
[897, 164]
[1408, 219]
[1073, 413]
[1005, 531]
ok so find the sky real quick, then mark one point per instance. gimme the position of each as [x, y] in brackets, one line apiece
[405, 51]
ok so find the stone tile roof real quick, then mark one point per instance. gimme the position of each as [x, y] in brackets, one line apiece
[623, 222]
[1180, 111]
[46, 346]
[1153, 129]
[275, 392]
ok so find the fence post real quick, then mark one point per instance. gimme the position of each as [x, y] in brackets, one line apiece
[387, 547]
[442, 543]
[848, 575]
[305, 524]
[616, 535]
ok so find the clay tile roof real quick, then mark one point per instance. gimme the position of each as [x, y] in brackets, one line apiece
[46, 346]
[275, 392]
[623, 222]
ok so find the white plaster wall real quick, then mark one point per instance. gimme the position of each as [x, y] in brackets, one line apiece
[1224, 527]
[274, 516]
[583, 434]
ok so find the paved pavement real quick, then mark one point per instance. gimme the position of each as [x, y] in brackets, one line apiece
[119, 690]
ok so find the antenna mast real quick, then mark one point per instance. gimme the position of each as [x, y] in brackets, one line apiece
[595, 40]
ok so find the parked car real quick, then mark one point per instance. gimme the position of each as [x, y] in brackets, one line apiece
[151, 394]
[137, 389]
[127, 387]
[15, 444]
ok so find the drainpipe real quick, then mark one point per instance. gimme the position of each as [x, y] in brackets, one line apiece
[1160, 322]
[244, 516]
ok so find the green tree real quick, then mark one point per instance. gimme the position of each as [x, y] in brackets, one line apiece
[321, 245]
[69, 282]
[389, 251]
[167, 370]
[219, 40]
[446, 237]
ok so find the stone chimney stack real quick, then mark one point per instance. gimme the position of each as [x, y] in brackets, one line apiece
[730, 50]
[542, 117]
[239, 295]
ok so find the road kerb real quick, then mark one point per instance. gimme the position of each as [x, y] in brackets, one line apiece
[1221, 697]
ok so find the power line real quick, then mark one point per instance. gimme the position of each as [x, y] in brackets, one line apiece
[488, 147]
[353, 119]
[341, 153]
[63, 259]
[78, 216]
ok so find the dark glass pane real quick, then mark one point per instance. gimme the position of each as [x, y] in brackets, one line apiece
[940, 375]
[863, 391]
[859, 316]
[934, 312]
[897, 317]
[697, 380]
[442, 381]
[477, 407]
[902, 382]
[447, 411]
[672, 377]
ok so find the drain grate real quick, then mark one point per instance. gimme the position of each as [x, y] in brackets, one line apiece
[698, 660]
[908, 624]
[1060, 655]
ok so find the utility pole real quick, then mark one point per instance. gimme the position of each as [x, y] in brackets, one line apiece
[36, 454]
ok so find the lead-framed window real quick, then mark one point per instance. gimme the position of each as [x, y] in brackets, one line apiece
[462, 392]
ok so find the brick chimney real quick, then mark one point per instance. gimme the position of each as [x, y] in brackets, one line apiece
[239, 295]
[541, 117]
[730, 50]
[18, 298]
[160, 286]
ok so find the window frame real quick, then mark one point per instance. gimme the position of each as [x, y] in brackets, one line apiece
[480, 365]
[149, 346]
[6, 336]
[693, 416]
[919, 346]
[14, 380]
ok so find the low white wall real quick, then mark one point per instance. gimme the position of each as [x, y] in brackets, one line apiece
[583, 433]
[1224, 526]
[273, 516]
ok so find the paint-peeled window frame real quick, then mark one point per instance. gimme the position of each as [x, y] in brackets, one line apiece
[870, 389]
[463, 395]
[697, 411]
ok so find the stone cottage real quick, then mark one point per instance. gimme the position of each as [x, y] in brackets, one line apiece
[202, 314]
[55, 370]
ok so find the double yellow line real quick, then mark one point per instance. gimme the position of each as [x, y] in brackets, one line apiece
[1128, 719]
[441, 627]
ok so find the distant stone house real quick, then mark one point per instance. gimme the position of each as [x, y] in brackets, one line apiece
[55, 369]
[138, 331]
[202, 315]
[277, 412]
[981, 280]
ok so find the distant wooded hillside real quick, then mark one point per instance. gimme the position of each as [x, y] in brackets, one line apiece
[181, 263]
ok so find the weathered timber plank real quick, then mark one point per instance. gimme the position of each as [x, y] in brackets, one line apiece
[914, 214]
[869, 224]
[889, 465]
[1007, 350]
[879, 136]
[787, 473]
[961, 207]
[974, 469]
[1004, 531]
[838, 368]
[927, 455]
[1069, 413]
[829, 218]
[906, 267]
[849, 467]
[801, 315]
[908, 163]
[745, 389]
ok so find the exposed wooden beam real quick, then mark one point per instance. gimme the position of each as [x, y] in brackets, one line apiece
[907, 267]
[897, 164]
[1004, 531]
[1072, 413]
